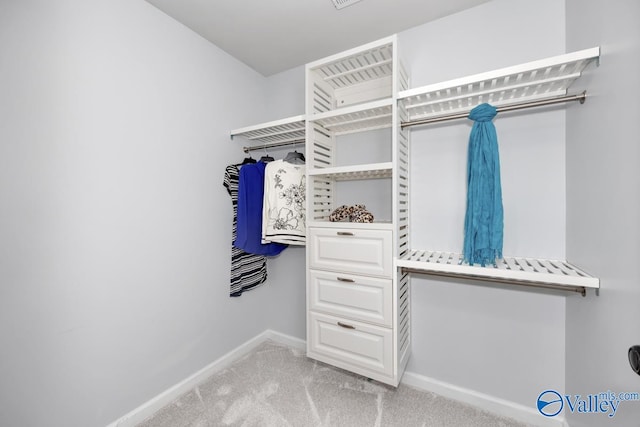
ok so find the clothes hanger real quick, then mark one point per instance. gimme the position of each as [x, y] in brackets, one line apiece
[266, 158]
[294, 157]
[246, 161]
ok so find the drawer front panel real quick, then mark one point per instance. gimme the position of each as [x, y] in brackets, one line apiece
[355, 343]
[350, 250]
[368, 299]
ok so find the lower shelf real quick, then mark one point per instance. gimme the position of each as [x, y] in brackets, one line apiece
[555, 274]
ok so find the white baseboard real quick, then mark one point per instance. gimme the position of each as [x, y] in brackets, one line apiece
[284, 339]
[506, 408]
[152, 406]
[480, 400]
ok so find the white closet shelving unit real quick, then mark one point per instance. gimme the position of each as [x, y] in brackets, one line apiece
[533, 82]
[357, 301]
[358, 294]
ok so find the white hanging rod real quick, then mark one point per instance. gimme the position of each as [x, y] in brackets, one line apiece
[271, 145]
[510, 107]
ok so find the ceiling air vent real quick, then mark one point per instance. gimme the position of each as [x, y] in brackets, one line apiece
[341, 4]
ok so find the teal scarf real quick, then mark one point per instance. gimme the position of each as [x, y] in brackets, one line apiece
[483, 223]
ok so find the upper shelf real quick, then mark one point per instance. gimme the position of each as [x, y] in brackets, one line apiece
[355, 66]
[545, 78]
[286, 130]
[356, 118]
[356, 76]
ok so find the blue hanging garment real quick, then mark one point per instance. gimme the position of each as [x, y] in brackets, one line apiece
[483, 223]
[249, 228]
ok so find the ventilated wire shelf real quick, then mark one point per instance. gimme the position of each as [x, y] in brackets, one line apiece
[370, 64]
[352, 77]
[291, 129]
[370, 116]
[525, 270]
[351, 173]
[546, 78]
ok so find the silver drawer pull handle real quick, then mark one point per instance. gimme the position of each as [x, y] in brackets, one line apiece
[344, 325]
[342, 279]
[345, 233]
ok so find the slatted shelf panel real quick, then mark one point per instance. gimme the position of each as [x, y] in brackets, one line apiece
[401, 182]
[546, 78]
[370, 116]
[403, 309]
[351, 173]
[552, 272]
[285, 130]
[352, 77]
[369, 64]
[403, 78]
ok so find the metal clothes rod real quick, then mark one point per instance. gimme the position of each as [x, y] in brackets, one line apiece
[271, 145]
[512, 107]
[565, 288]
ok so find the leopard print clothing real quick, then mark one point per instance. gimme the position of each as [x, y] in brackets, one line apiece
[340, 214]
[355, 213]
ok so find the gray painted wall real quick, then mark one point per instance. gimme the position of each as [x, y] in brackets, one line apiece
[603, 207]
[285, 94]
[501, 341]
[114, 224]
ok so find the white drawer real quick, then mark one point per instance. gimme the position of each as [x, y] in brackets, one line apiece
[351, 250]
[357, 297]
[351, 344]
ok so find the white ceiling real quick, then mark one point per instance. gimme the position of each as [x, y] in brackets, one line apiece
[275, 35]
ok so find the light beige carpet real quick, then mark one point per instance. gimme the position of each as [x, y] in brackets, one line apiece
[275, 385]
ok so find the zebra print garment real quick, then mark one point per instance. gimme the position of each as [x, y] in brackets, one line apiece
[247, 270]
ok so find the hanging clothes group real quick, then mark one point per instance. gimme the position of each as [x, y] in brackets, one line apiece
[247, 270]
[268, 215]
[250, 213]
